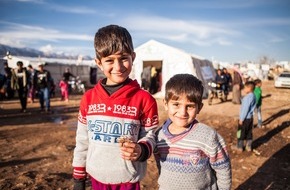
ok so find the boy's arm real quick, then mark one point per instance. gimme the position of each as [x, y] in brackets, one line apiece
[143, 149]
[147, 137]
[80, 151]
[245, 107]
[156, 151]
[220, 162]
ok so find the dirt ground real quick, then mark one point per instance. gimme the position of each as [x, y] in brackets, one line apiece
[36, 148]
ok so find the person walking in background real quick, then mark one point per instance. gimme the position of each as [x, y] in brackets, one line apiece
[245, 127]
[19, 81]
[189, 154]
[258, 95]
[237, 86]
[64, 89]
[31, 90]
[116, 119]
[42, 83]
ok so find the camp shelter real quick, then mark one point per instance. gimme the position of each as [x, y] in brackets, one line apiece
[170, 61]
[57, 66]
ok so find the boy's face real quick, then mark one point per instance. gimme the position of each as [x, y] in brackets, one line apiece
[247, 89]
[116, 67]
[40, 68]
[182, 112]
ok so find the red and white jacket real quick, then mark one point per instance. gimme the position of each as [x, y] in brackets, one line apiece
[130, 111]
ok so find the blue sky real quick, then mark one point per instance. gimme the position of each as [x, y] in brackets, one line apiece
[224, 30]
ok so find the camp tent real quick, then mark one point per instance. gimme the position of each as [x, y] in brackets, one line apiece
[56, 66]
[170, 61]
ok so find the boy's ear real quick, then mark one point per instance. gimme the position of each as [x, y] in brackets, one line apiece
[99, 63]
[165, 105]
[200, 107]
[133, 56]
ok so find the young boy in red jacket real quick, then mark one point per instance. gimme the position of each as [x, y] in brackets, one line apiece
[116, 108]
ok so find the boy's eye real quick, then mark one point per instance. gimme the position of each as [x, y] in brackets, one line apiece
[109, 61]
[190, 106]
[124, 58]
[175, 104]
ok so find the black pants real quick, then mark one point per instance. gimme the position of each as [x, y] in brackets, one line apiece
[22, 94]
[246, 130]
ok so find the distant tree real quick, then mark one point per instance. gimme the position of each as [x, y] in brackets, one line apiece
[266, 60]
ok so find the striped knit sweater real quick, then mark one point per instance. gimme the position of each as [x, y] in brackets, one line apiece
[194, 159]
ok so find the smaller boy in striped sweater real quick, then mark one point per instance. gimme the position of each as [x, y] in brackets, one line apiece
[189, 154]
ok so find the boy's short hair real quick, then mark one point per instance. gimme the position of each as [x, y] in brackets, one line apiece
[250, 84]
[19, 63]
[257, 81]
[186, 84]
[111, 39]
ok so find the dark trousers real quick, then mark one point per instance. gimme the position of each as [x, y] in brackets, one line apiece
[245, 132]
[22, 94]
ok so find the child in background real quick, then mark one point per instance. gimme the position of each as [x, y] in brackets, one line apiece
[64, 89]
[245, 126]
[258, 95]
[189, 154]
[116, 107]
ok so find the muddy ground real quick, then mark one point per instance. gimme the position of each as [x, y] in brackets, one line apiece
[36, 148]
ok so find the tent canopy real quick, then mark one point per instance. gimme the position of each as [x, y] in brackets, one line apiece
[171, 61]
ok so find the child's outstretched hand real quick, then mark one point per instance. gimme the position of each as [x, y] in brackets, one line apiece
[129, 149]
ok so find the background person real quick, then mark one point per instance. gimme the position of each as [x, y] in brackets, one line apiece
[67, 75]
[19, 82]
[237, 86]
[245, 127]
[42, 83]
[258, 95]
[9, 92]
[63, 85]
[229, 80]
[221, 80]
[31, 89]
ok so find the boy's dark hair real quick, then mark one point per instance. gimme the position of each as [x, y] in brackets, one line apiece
[111, 39]
[186, 84]
[250, 84]
[257, 81]
[19, 63]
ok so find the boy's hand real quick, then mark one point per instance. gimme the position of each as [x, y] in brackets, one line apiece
[240, 122]
[129, 149]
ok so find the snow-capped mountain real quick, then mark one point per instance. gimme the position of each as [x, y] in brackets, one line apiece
[29, 52]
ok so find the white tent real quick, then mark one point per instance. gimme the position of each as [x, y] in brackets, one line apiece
[171, 61]
[56, 66]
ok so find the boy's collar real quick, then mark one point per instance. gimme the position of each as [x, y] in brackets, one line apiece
[104, 81]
